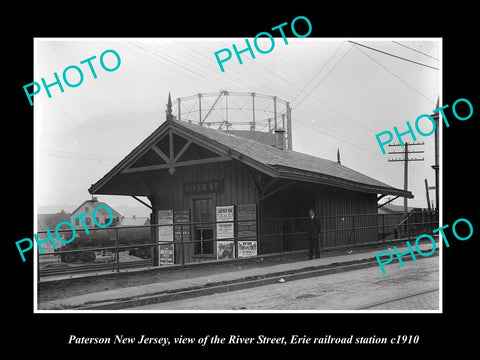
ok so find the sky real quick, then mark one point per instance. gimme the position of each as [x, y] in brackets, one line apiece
[341, 95]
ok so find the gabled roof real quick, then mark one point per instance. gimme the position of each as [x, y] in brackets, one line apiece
[392, 208]
[94, 204]
[268, 159]
[132, 221]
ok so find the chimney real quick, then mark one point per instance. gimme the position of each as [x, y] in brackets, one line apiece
[338, 156]
[280, 139]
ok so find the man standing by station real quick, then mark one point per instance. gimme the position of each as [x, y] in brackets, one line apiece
[313, 234]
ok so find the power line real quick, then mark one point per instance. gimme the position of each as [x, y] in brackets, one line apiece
[396, 56]
[398, 77]
[396, 42]
[341, 138]
[325, 102]
[176, 65]
[198, 60]
[318, 73]
[328, 73]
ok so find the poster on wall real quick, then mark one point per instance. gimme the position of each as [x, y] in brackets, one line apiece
[225, 225]
[224, 230]
[247, 248]
[165, 217]
[166, 254]
[247, 221]
[165, 233]
[181, 233]
[247, 229]
[225, 250]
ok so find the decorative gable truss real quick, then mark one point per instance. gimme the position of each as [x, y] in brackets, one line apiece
[172, 151]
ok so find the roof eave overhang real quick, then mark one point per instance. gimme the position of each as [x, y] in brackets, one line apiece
[308, 176]
[272, 170]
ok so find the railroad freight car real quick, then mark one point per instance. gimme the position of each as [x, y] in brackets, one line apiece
[97, 240]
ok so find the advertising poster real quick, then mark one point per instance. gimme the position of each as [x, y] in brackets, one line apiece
[166, 255]
[247, 248]
[225, 230]
[225, 250]
[225, 214]
[165, 233]
[181, 233]
[165, 217]
[245, 227]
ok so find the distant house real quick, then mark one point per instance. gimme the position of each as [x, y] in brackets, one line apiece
[49, 221]
[134, 221]
[101, 215]
[394, 222]
[392, 209]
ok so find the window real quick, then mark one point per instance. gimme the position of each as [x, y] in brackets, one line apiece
[203, 212]
[204, 246]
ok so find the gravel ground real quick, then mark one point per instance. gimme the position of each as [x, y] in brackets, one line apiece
[60, 289]
[342, 291]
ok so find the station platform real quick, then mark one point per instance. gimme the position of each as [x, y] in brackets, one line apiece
[137, 288]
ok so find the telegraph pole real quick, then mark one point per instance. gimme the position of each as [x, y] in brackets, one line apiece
[406, 160]
[436, 166]
[428, 195]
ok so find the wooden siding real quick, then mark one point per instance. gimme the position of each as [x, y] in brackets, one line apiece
[335, 207]
[239, 185]
[239, 188]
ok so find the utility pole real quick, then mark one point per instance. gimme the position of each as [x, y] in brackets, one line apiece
[406, 160]
[428, 195]
[436, 166]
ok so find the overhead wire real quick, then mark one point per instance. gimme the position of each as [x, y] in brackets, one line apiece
[155, 61]
[252, 77]
[198, 60]
[323, 79]
[321, 69]
[421, 52]
[334, 123]
[176, 65]
[355, 144]
[327, 104]
[396, 56]
[343, 114]
[330, 124]
[398, 77]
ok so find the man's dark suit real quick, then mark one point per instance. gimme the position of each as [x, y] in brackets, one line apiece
[313, 232]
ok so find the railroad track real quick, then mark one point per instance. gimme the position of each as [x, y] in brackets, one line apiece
[93, 268]
[403, 297]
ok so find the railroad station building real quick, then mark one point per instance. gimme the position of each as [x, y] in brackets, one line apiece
[194, 174]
